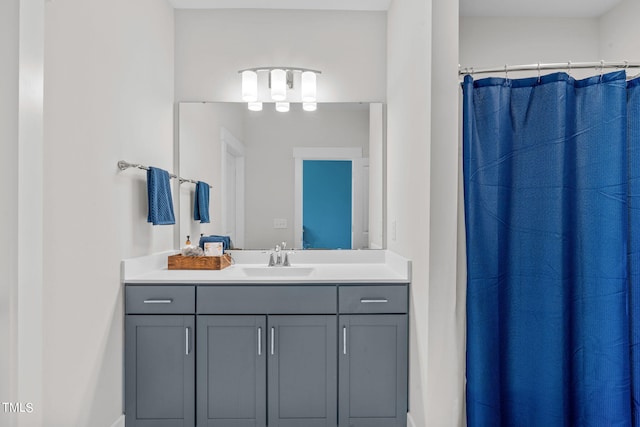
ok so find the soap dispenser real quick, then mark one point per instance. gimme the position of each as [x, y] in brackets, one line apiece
[191, 250]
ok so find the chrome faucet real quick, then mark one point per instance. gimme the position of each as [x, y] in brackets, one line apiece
[285, 259]
[279, 260]
[278, 255]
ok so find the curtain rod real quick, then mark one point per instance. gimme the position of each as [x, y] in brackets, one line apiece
[122, 165]
[601, 65]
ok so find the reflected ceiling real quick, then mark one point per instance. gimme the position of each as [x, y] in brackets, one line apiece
[532, 8]
[537, 8]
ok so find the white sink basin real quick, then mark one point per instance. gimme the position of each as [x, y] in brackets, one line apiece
[278, 271]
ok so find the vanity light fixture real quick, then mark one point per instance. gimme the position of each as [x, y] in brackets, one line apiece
[255, 106]
[308, 86]
[279, 85]
[309, 106]
[282, 107]
[280, 80]
[249, 86]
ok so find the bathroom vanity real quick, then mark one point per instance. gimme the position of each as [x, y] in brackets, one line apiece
[279, 346]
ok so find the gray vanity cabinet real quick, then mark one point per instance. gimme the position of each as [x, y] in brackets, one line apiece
[312, 355]
[373, 371]
[302, 371]
[236, 352]
[160, 371]
[159, 356]
[373, 356]
[232, 371]
[267, 350]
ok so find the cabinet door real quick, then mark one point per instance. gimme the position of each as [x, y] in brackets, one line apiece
[159, 365]
[373, 370]
[232, 377]
[302, 371]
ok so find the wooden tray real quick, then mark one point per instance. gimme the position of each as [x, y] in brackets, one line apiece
[179, 262]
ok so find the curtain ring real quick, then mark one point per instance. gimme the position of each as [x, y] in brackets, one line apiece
[601, 68]
[506, 73]
[626, 67]
[538, 72]
[569, 68]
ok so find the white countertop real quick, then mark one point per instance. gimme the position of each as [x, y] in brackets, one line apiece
[250, 267]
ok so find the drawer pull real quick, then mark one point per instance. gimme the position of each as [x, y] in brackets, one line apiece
[344, 340]
[158, 301]
[273, 341]
[373, 300]
[186, 340]
[259, 341]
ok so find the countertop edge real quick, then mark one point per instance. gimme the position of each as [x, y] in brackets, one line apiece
[269, 281]
[393, 268]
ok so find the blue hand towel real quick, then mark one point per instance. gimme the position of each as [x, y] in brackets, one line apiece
[226, 241]
[201, 203]
[159, 194]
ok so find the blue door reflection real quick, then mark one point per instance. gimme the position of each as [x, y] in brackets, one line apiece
[327, 204]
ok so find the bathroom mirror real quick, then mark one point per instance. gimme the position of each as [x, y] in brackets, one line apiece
[311, 179]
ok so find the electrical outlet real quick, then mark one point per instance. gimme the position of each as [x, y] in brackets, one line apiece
[279, 223]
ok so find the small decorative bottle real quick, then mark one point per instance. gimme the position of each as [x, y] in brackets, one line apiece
[190, 250]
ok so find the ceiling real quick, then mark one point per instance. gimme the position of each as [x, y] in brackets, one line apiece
[532, 8]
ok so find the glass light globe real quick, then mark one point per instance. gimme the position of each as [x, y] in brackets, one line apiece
[282, 107]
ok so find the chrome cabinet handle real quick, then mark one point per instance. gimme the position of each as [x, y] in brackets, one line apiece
[273, 340]
[344, 340]
[158, 301]
[259, 341]
[373, 300]
[186, 341]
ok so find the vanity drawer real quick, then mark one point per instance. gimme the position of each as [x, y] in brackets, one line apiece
[286, 299]
[373, 299]
[152, 299]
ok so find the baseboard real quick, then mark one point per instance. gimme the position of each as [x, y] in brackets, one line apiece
[410, 422]
[119, 422]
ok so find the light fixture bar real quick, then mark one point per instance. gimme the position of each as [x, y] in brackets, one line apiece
[288, 78]
[294, 69]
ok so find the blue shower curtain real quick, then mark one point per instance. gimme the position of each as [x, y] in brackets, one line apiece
[552, 211]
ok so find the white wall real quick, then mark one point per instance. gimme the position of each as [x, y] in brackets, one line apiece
[200, 160]
[422, 183]
[408, 173]
[619, 39]
[489, 42]
[109, 90]
[348, 47]
[9, 195]
[447, 287]
[27, 298]
[497, 41]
